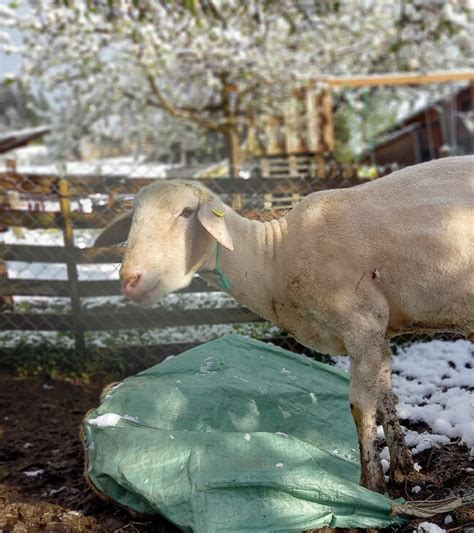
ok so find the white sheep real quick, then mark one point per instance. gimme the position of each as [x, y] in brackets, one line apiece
[343, 272]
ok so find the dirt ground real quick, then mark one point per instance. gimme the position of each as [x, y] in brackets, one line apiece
[39, 431]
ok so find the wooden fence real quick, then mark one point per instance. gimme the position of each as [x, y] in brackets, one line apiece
[65, 194]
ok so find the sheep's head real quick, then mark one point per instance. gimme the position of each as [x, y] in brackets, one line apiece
[170, 233]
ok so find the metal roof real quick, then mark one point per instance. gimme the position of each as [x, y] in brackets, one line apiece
[16, 138]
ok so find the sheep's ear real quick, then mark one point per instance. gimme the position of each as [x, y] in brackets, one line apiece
[211, 216]
[116, 232]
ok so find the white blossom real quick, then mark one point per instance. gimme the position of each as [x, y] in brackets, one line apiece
[149, 74]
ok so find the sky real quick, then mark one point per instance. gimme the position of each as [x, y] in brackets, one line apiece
[10, 64]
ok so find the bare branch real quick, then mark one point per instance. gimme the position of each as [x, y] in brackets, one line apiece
[180, 112]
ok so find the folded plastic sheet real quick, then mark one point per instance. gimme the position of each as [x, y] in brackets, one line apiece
[234, 435]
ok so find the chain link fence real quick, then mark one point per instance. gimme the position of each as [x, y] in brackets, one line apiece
[60, 297]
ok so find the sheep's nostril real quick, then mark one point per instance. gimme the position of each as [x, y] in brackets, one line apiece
[130, 281]
[134, 279]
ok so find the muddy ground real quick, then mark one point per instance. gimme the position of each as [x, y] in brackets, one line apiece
[39, 431]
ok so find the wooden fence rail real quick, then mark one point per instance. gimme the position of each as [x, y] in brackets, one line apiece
[63, 195]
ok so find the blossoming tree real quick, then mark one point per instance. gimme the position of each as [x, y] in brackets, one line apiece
[136, 69]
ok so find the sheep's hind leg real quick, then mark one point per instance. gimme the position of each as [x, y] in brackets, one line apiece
[401, 462]
[363, 396]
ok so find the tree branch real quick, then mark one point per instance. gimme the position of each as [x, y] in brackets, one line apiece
[180, 112]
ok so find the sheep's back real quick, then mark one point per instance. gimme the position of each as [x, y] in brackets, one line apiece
[410, 234]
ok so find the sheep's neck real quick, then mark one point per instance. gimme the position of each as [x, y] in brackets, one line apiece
[252, 268]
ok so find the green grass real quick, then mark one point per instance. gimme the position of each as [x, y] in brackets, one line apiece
[52, 361]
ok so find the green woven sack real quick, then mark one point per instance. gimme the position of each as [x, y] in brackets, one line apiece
[234, 435]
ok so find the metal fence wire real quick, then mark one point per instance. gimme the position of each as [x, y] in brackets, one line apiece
[58, 294]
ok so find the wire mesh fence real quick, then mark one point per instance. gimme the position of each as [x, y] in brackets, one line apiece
[59, 294]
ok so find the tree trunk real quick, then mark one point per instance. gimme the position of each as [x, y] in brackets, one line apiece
[233, 149]
[230, 102]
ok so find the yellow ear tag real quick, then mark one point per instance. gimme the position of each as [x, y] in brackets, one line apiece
[218, 212]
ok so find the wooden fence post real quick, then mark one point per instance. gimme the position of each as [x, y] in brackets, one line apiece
[293, 166]
[6, 301]
[68, 233]
[265, 167]
[324, 129]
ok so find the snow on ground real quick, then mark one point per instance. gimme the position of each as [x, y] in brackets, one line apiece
[434, 382]
[47, 237]
[429, 527]
[114, 166]
[34, 154]
[34, 237]
[58, 271]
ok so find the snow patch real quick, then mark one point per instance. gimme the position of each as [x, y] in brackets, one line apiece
[429, 527]
[433, 381]
[448, 519]
[419, 442]
[52, 492]
[130, 418]
[33, 472]
[343, 362]
[207, 366]
[104, 421]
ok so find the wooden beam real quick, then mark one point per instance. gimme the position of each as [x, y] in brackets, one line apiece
[399, 78]
[155, 318]
[30, 253]
[58, 254]
[79, 185]
[6, 301]
[35, 287]
[87, 289]
[39, 322]
[28, 219]
[67, 226]
[98, 320]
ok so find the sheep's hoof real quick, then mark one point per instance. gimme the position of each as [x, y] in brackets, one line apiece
[402, 476]
[402, 468]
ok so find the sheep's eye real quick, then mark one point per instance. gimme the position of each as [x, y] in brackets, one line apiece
[186, 212]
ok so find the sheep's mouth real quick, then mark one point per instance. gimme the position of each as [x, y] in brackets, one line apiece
[147, 297]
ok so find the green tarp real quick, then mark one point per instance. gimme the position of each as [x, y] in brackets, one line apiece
[234, 435]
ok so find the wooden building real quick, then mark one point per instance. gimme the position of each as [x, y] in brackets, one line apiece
[443, 128]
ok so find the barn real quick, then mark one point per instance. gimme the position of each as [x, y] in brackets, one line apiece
[445, 127]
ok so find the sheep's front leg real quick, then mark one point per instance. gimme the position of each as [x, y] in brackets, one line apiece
[363, 397]
[401, 462]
